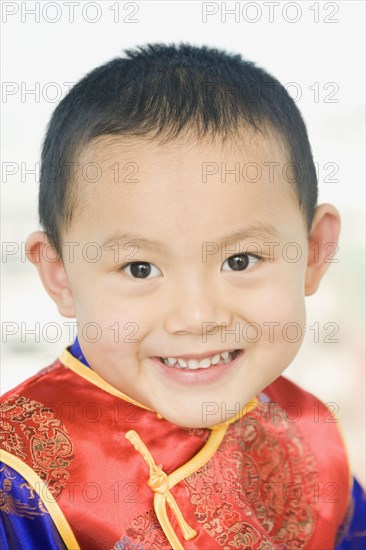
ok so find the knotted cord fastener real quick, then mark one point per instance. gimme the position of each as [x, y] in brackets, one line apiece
[159, 483]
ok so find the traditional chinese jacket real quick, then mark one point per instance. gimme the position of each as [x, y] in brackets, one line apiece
[86, 467]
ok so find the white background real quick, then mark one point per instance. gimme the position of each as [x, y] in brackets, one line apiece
[303, 43]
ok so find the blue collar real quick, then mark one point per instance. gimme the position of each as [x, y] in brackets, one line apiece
[76, 351]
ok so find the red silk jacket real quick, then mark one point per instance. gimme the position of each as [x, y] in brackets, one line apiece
[113, 474]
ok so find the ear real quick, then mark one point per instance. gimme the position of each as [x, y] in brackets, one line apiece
[323, 245]
[51, 270]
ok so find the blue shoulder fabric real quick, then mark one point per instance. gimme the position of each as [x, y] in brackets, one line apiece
[24, 522]
[354, 537]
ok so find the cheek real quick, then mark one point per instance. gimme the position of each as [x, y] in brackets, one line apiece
[279, 310]
[286, 330]
[113, 328]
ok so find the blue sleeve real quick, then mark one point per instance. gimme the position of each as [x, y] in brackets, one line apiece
[24, 521]
[353, 531]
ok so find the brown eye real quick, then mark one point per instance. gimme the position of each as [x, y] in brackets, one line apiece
[240, 262]
[140, 270]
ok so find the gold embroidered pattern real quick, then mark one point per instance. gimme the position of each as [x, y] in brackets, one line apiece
[257, 492]
[146, 530]
[28, 506]
[31, 429]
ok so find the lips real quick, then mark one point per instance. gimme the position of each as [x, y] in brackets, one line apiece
[200, 375]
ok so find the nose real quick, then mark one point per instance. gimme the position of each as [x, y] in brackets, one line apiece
[196, 307]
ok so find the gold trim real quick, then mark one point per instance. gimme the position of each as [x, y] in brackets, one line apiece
[91, 376]
[44, 494]
[210, 447]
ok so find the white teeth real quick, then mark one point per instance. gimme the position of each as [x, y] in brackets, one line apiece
[193, 364]
[205, 363]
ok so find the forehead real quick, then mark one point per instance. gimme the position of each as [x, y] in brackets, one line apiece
[261, 146]
[129, 181]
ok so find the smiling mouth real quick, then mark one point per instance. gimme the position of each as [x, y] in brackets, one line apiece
[222, 358]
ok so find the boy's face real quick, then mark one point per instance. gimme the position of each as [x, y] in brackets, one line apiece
[190, 297]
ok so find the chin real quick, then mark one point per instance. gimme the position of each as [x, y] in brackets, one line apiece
[203, 415]
[192, 422]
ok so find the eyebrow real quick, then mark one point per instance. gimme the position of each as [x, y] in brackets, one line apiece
[131, 238]
[259, 230]
[254, 231]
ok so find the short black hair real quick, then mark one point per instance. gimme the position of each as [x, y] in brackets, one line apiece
[160, 89]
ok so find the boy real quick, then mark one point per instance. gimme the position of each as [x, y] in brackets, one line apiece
[178, 199]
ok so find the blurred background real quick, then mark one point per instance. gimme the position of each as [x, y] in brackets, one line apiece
[315, 49]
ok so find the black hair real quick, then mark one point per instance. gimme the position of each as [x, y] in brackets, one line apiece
[161, 89]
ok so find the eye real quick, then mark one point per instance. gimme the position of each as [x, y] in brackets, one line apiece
[141, 270]
[241, 262]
